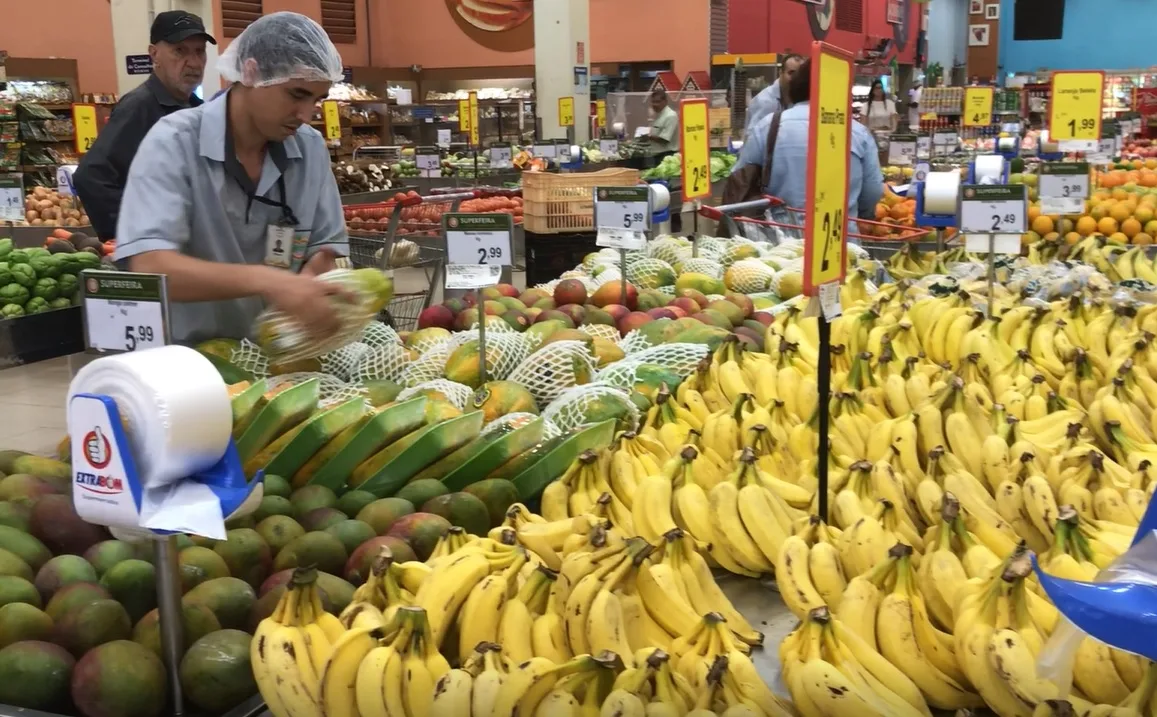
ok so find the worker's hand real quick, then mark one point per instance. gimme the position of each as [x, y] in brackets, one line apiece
[322, 261]
[308, 300]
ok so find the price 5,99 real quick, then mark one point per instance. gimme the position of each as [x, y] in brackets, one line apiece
[137, 334]
[631, 219]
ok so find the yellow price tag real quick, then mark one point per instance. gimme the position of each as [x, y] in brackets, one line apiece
[84, 121]
[1075, 105]
[694, 149]
[927, 116]
[463, 115]
[829, 150]
[566, 112]
[601, 112]
[473, 114]
[329, 111]
[977, 106]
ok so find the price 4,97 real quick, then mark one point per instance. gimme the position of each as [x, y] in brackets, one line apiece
[489, 253]
[137, 335]
[1087, 123]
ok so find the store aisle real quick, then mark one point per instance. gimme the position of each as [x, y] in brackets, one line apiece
[33, 416]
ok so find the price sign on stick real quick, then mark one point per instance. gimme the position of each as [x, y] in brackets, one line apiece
[1063, 187]
[464, 116]
[623, 208]
[478, 239]
[829, 151]
[501, 157]
[609, 146]
[923, 146]
[332, 116]
[11, 197]
[992, 209]
[124, 311]
[566, 112]
[545, 151]
[694, 146]
[84, 124]
[977, 107]
[473, 112]
[429, 163]
[902, 149]
[1075, 109]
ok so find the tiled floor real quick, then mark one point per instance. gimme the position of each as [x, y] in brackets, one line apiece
[34, 395]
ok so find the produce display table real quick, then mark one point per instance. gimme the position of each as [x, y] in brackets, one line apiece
[549, 255]
[27, 237]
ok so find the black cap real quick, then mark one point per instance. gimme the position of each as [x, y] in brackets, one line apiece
[177, 25]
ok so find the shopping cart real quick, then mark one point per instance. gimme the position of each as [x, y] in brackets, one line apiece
[406, 233]
[770, 219]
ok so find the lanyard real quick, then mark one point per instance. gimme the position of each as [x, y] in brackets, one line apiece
[234, 169]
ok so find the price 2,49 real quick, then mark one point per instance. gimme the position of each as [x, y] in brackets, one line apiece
[832, 227]
[137, 335]
[1003, 222]
[1086, 123]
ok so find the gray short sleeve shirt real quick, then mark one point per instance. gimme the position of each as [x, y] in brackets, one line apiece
[180, 198]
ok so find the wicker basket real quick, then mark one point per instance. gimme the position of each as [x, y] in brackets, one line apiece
[564, 203]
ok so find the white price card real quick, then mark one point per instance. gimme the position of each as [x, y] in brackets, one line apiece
[1063, 187]
[123, 311]
[429, 164]
[626, 239]
[992, 243]
[830, 300]
[443, 138]
[609, 146]
[923, 146]
[64, 185]
[919, 174]
[501, 157]
[11, 198]
[623, 208]
[545, 151]
[478, 239]
[564, 156]
[902, 149]
[472, 276]
[1107, 146]
[947, 138]
[992, 209]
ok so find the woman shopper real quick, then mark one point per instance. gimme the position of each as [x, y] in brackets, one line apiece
[234, 201]
[782, 139]
[879, 111]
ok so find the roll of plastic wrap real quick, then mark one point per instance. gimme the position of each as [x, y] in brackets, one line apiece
[660, 197]
[940, 193]
[988, 169]
[1006, 144]
[174, 405]
[618, 128]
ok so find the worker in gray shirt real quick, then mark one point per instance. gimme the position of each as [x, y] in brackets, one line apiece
[774, 97]
[234, 200]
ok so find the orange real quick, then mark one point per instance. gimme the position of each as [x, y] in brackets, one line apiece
[1042, 225]
[899, 211]
[1151, 228]
[1148, 179]
[1073, 238]
[881, 211]
[1099, 212]
[1065, 225]
[1107, 226]
[1086, 226]
[1118, 238]
[1151, 163]
[1052, 237]
[1130, 227]
[1120, 193]
[1142, 239]
[1120, 212]
[1033, 212]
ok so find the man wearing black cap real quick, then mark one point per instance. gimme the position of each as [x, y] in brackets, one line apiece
[177, 48]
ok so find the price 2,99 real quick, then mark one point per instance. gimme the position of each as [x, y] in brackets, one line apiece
[488, 254]
[137, 335]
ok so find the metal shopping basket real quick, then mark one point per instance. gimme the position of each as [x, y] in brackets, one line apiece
[406, 232]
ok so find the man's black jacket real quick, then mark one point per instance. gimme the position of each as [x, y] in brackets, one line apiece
[100, 178]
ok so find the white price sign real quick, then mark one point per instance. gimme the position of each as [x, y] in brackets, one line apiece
[946, 138]
[123, 311]
[830, 300]
[64, 180]
[501, 157]
[564, 154]
[992, 243]
[545, 151]
[1107, 146]
[1063, 187]
[478, 239]
[623, 208]
[11, 197]
[429, 165]
[902, 149]
[472, 276]
[923, 146]
[443, 138]
[919, 174]
[609, 146]
[992, 209]
[621, 239]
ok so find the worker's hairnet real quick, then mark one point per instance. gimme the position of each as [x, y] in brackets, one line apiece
[278, 48]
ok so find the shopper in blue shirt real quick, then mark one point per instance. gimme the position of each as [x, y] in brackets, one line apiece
[789, 169]
[774, 97]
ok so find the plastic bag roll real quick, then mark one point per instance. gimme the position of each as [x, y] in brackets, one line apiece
[660, 197]
[1006, 144]
[174, 404]
[988, 169]
[940, 192]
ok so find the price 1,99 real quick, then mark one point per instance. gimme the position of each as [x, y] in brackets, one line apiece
[1085, 124]
[137, 334]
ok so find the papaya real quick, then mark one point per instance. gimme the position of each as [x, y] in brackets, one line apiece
[704, 284]
[313, 434]
[512, 441]
[462, 366]
[384, 475]
[246, 405]
[356, 444]
[498, 398]
[289, 408]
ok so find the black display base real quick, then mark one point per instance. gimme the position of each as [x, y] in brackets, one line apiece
[252, 707]
[549, 255]
[39, 337]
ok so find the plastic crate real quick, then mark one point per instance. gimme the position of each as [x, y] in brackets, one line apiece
[564, 203]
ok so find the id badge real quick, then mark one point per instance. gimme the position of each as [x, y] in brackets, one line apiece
[279, 246]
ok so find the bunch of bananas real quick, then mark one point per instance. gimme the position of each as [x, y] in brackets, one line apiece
[656, 690]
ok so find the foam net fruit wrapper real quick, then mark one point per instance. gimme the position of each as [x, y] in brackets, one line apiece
[591, 403]
[456, 393]
[249, 357]
[344, 361]
[284, 339]
[380, 362]
[520, 419]
[554, 368]
[679, 358]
